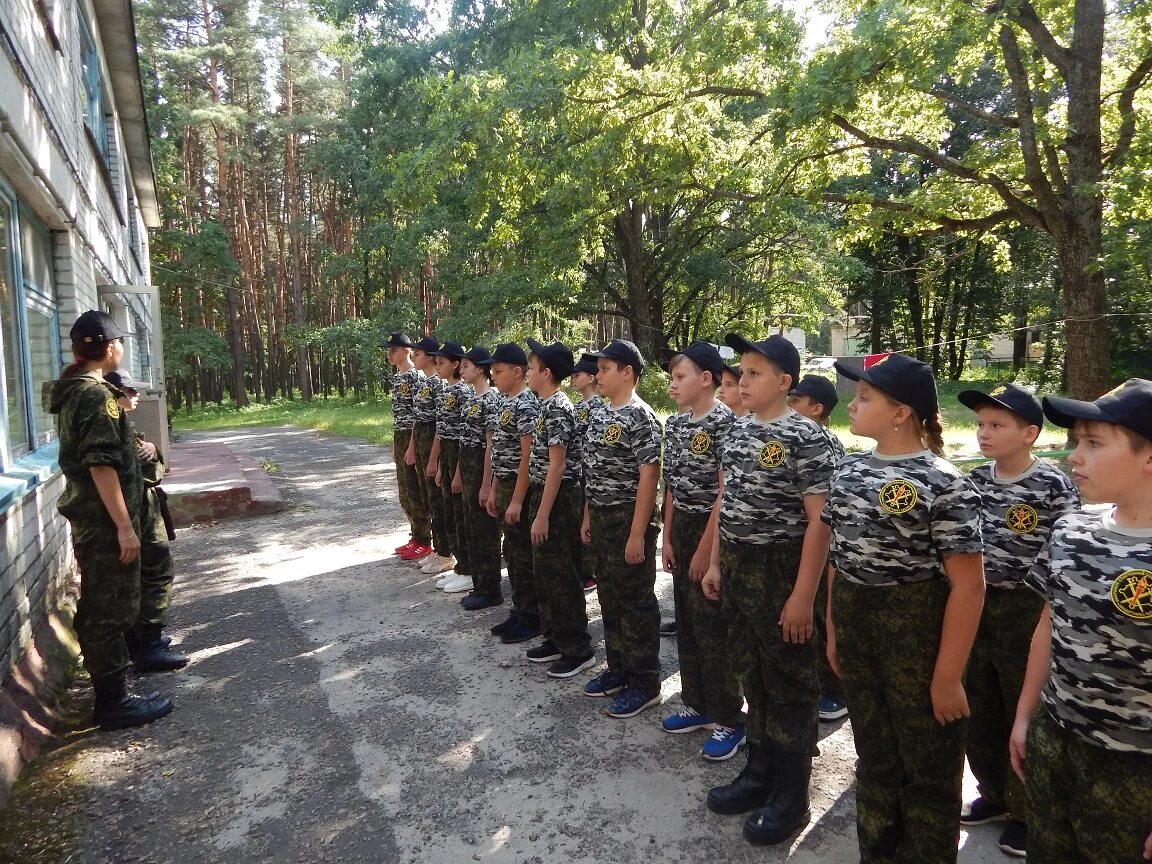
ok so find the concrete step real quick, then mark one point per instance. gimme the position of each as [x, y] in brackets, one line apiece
[209, 481]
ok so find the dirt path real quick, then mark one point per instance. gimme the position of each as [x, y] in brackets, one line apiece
[338, 708]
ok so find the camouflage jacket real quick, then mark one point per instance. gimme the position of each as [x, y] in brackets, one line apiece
[515, 418]
[555, 427]
[424, 402]
[618, 441]
[478, 417]
[450, 410]
[692, 452]
[405, 385]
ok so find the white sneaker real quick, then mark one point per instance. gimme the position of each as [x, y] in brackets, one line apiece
[438, 565]
[458, 585]
[446, 578]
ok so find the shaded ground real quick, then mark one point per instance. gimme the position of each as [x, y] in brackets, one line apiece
[338, 708]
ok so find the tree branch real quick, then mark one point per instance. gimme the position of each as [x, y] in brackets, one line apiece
[948, 224]
[1024, 14]
[1140, 76]
[973, 110]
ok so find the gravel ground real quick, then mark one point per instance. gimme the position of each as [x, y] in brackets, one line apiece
[338, 708]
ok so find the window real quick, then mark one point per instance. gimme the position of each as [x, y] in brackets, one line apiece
[95, 101]
[29, 330]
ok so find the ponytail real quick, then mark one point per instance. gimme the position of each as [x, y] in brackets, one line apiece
[83, 352]
[932, 433]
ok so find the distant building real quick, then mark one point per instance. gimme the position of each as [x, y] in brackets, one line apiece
[77, 193]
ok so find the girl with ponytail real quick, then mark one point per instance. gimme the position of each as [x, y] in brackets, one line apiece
[906, 589]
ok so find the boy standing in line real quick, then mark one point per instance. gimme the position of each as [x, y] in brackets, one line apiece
[511, 452]
[446, 456]
[815, 398]
[555, 509]
[406, 382]
[729, 390]
[583, 383]
[1020, 499]
[622, 465]
[693, 443]
[420, 448]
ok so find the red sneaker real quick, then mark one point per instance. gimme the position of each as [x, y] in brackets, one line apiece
[417, 552]
[405, 547]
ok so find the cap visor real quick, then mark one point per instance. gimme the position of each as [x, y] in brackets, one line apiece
[741, 345]
[974, 399]
[534, 346]
[851, 374]
[1065, 412]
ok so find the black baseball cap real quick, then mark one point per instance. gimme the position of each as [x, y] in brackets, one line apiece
[818, 389]
[428, 344]
[454, 350]
[732, 369]
[96, 326]
[397, 340]
[706, 356]
[587, 365]
[557, 358]
[121, 380]
[478, 355]
[776, 348]
[622, 351]
[904, 378]
[510, 353]
[1128, 405]
[1010, 397]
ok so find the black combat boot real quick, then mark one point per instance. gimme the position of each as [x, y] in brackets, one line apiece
[151, 653]
[132, 638]
[787, 810]
[751, 787]
[117, 707]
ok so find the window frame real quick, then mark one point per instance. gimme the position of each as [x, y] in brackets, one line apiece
[97, 108]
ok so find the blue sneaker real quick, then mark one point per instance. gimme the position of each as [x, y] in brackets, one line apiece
[632, 701]
[607, 683]
[686, 720]
[723, 744]
[832, 709]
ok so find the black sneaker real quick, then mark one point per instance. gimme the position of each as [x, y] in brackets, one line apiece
[506, 624]
[475, 602]
[545, 652]
[566, 667]
[668, 628]
[519, 632]
[981, 811]
[1014, 840]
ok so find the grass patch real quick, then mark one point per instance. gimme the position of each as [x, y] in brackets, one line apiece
[371, 421]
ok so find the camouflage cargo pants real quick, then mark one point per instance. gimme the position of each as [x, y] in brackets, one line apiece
[109, 601]
[482, 532]
[518, 554]
[454, 507]
[830, 685]
[425, 433]
[708, 681]
[156, 568]
[412, 498]
[993, 683]
[1086, 804]
[908, 781]
[627, 595]
[555, 573]
[779, 678]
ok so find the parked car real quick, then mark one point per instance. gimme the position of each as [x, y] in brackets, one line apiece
[819, 364]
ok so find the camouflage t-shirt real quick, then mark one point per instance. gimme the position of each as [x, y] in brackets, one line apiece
[450, 410]
[893, 518]
[585, 410]
[515, 417]
[1097, 579]
[692, 451]
[1017, 514]
[837, 446]
[555, 426]
[404, 388]
[618, 441]
[478, 417]
[769, 468]
[424, 402]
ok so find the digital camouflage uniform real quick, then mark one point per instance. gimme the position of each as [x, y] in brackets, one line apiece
[1090, 743]
[449, 420]
[769, 469]
[157, 570]
[892, 519]
[516, 417]
[424, 429]
[482, 532]
[1016, 518]
[619, 441]
[585, 408]
[413, 500]
[692, 450]
[830, 684]
[94, 431]
[555, 567]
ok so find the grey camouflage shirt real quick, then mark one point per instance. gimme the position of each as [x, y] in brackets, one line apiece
[1016, 516]
[892, 519]
[617, 443]
[1097, 579]
[769, 468]
[692, 450]
[515, 417]
[555, 427]
[585, 410]
[478, 417]
[424, 402]
[404, 387]
[450, 410]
